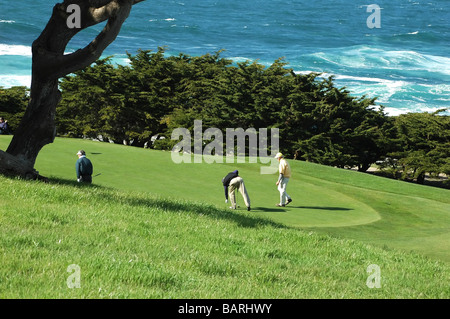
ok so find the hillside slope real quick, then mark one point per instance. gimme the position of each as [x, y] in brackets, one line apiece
[343, 203]
[129, 244]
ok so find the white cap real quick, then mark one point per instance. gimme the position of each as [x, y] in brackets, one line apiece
[279, 155]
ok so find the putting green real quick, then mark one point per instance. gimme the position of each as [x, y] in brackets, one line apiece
[154, 171]
[315, 206]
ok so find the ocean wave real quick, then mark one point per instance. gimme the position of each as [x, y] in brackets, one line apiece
[383, 89]
[240, 59]
[10, 80]
[121, 60]
[7, 21]
[22, 50]
[420, 108]
[364, 57]
[399, 96]
[167, 20]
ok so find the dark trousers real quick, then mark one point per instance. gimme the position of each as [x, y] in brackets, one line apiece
[86, 178]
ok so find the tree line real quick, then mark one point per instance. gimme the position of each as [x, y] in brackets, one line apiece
[317, 121]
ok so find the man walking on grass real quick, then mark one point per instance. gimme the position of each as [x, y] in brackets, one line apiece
[283, 179]
[231, 182]
[83, 168]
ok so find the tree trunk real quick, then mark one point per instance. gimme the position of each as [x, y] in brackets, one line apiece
[363, 167]
[421, 178]
[37, 127]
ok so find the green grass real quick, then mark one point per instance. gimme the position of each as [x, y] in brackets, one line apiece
[149, 228]
[135, 245]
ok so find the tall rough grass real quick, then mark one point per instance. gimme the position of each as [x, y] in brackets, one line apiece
[59, 236]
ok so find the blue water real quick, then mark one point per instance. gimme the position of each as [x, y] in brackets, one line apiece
[405, 62]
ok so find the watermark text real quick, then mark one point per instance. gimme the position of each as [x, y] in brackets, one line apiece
[374, 20]
[208, 146]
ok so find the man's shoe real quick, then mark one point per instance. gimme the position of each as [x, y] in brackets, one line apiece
[280, 205]
[289, 200]
[248, 208]
[231, 207]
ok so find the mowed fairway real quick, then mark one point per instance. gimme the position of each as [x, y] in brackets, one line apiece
[339, 202]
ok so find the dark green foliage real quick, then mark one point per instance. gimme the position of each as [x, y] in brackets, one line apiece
[422, 145]
[333, 128]
[116, 103]
[13, 102]
[318, 122]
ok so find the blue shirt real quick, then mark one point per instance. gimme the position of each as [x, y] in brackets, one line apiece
[83, 166]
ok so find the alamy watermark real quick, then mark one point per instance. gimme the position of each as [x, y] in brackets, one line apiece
[74, 19]
[374, 279]
[74, 280]
[208, 146]
[374, 20]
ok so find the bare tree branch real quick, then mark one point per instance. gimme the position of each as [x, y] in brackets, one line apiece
[86, 56]
[52, 61]
[101, 3]
[37, 127]
[98, 3]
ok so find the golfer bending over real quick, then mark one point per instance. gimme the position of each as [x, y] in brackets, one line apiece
[83, 168]
[283, 179]
[231, 182]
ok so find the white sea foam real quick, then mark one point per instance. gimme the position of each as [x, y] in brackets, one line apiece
[6, 49]
[8, 81]
[237, 59]
[121, 61]
[167, 20]
[438, 64]
[420, 108]
[364, 57]
[398, 96]
[392, 111]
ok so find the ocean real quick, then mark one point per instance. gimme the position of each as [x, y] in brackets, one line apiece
[397, 51]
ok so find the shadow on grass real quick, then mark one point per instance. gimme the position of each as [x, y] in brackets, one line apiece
[322, 208]
[269, 209]
[284, 209]
[73, 182]
[242, 219]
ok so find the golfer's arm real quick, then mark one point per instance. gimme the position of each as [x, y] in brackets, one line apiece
[280, 177]
[77, 169]
[226, 192]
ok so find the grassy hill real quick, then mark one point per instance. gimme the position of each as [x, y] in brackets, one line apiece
[149, 228]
